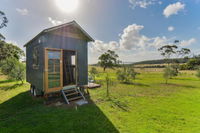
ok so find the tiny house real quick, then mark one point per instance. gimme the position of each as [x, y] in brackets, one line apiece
[57, 59]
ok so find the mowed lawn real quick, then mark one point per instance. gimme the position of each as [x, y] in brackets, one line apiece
[146, 106]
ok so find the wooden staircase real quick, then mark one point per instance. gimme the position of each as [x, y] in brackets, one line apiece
[71, 93]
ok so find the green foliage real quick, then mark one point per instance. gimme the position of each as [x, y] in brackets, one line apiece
[108, 60]
[175, 67]
[93, 72]
[198, 73]
[14, 69]
[126, 75]
[184, 52]
[167, 51]
[193, 63]
[169, 72]
[3, 23]
[8, 50]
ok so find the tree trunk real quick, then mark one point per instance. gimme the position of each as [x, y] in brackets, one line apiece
[22, 82]
[107, 90]
[104, 68]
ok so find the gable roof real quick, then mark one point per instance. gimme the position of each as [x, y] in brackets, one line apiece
[74, 23]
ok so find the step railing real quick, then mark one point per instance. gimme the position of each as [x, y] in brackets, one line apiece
[68, 88]
[63, 94]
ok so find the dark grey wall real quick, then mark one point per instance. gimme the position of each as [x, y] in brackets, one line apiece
[35, 76]
[80, 46]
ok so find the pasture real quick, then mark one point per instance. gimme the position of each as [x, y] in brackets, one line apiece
[147, 105]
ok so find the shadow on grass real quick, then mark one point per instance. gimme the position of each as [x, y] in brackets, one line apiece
[6, 81]
[6, 88]
[178, 85]
[186, 79]
[23, 113]
[120, 105]
[136, 84]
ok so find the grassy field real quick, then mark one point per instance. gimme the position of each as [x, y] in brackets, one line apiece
[146, 106]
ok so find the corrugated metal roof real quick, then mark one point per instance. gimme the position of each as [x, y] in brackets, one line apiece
[61, 26]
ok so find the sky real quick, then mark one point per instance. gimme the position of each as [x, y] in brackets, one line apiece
[134, 29]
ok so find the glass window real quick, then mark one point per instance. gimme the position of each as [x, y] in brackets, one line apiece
[36, 58]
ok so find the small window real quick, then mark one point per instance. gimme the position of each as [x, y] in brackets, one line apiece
[36, 58]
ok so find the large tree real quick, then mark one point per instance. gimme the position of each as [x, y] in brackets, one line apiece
[3, 23]
[167, 51]
[108, 60]
[8, 50]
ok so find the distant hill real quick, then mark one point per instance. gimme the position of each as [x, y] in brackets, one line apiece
[161, 61]
[153, 63]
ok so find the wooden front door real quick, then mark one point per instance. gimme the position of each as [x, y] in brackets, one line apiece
[53, 70]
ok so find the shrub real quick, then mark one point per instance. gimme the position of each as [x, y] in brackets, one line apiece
[8, 65]
[198, 73]
[126, 75]
[184, 67]
[169, 72]
[14, 69]
[174, 70]
[93, 73]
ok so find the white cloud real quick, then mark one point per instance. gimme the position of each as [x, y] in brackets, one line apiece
[170, 28]
[130, 40]
[100, 46]
[54, 22]
[173, 9]
[188, 42]
[143, 3]
[22, 11]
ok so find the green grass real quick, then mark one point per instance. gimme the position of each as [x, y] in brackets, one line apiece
[146, 106]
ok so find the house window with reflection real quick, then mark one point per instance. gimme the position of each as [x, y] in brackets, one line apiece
[36, 58]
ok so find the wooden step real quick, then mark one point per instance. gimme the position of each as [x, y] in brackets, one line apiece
[69, 90]
[70, 94]
[75, 98]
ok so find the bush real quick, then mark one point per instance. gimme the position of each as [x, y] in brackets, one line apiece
[126, 75]
[174, 71]
[184, 67]
[192, 64]
[198, 73]
[14, 69]
[93, 73]
[169, 72]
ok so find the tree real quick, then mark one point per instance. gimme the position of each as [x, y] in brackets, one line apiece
[167, 74]
[184, 52]
[8, 50]
[108, 60]
[3, 23]
[93, 72]
[126, 75]
[167, 51]
[108, 84]
[193, 63]
[14, 69]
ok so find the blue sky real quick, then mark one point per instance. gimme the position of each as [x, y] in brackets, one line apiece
[133, 28]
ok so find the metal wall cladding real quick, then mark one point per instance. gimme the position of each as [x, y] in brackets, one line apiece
[36, 77]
